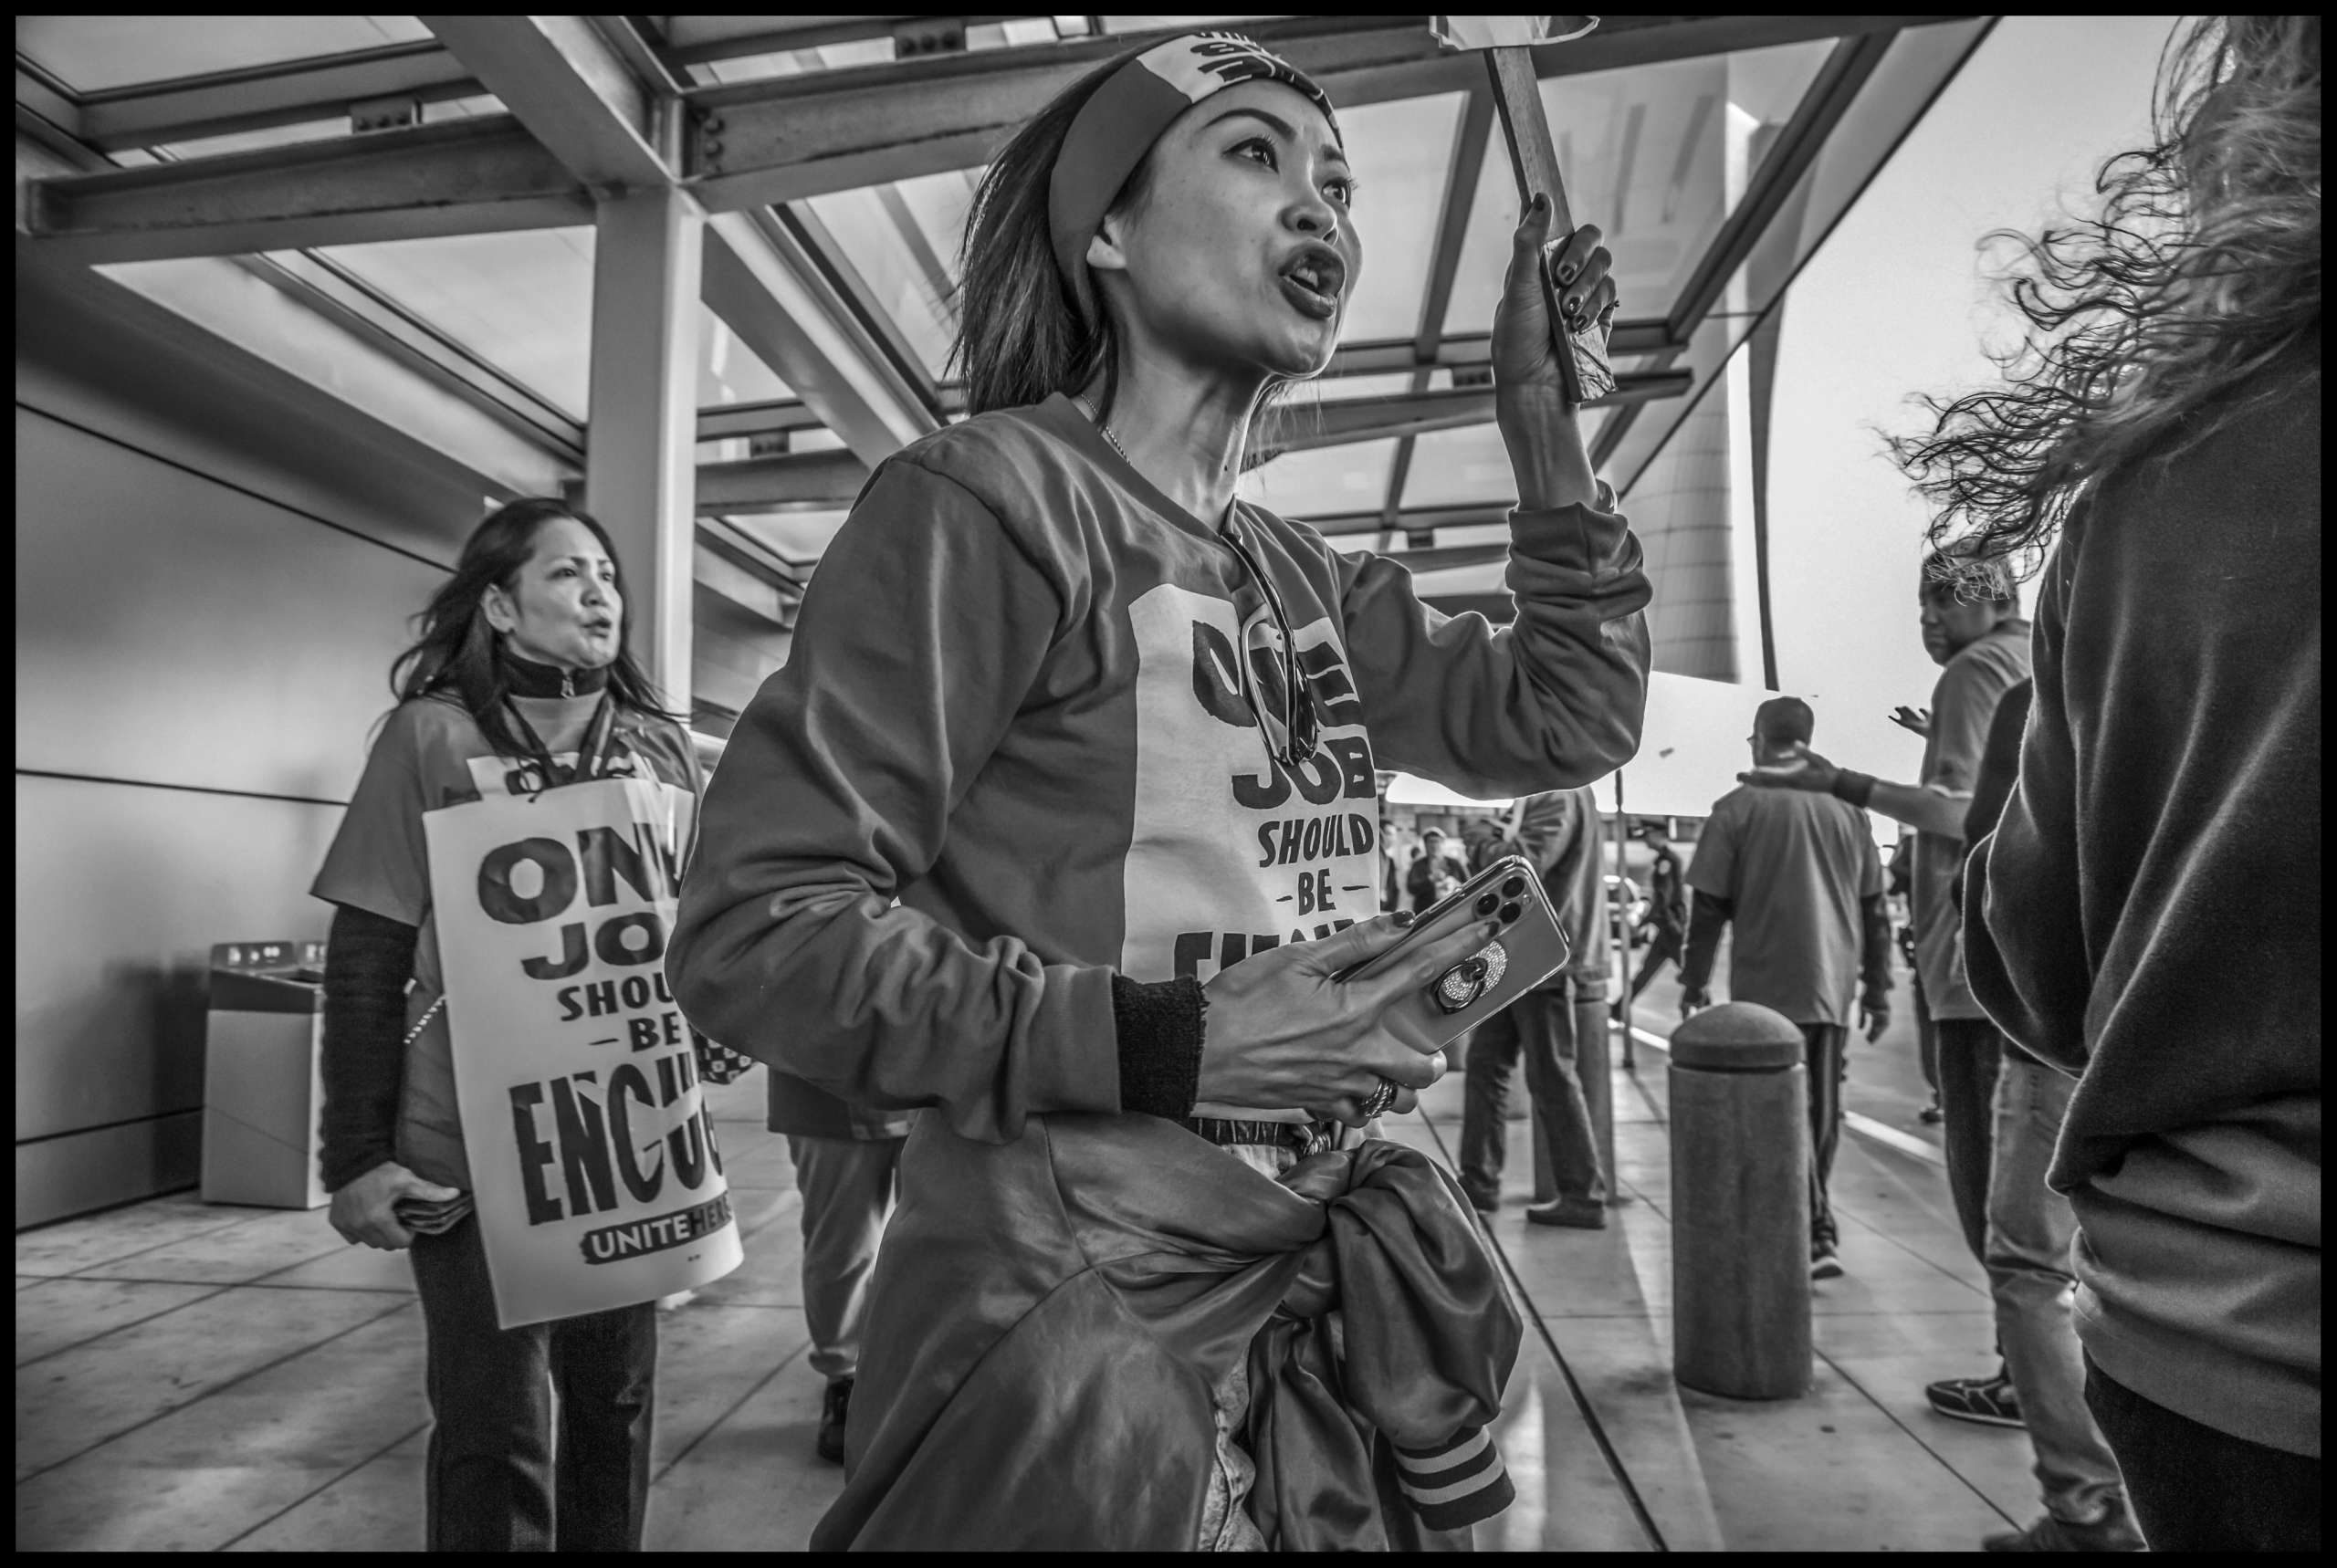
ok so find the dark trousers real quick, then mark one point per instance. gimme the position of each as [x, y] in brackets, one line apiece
[1826, 1062]
[1663, 948]
[1970, 1050]
[1539, 1026]
[497, 1482]
[2194, 1488]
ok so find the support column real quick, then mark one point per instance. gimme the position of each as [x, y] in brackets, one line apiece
[640, 471]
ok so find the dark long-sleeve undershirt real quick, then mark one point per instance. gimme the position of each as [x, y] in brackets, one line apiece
[1160, 1025]
[369, 959]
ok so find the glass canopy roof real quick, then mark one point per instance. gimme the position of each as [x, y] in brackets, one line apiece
[1709, 151]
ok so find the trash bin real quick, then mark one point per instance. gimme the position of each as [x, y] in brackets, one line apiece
[262, 1083]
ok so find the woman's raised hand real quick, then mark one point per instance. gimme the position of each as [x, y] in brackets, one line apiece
[1282, 1032]
[1539, 428]
[1525, 358]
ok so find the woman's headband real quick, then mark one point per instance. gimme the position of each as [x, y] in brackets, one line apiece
[1118, 124]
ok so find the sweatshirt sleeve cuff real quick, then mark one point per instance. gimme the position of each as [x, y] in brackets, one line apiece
[1159, 1029]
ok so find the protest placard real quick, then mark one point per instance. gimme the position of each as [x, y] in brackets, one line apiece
[593, 1157]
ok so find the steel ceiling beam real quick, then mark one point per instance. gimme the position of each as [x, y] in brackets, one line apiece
[1838, 81]
[473, 176]
[1840, 89]
[1404, 414]
[826, 480]
[792, 137]
[341, 296]
[1446, 557]
[755, 142]
[260, 99]
[765, 283]
[1462, 174]
[574, 92]
[1392, 356]
[1418, 519]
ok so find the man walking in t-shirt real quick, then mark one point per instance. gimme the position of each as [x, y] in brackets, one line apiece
[1973, 628]
[1667, 910]
[1799, 875]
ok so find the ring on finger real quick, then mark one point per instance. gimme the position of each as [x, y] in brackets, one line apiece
[1380, 1099]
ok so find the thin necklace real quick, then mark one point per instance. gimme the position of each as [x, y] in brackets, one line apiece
[1096, 415]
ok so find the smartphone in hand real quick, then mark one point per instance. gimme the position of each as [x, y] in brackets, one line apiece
[1529, 949]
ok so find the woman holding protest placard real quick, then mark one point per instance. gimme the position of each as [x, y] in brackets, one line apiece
[531, 1087]
[1054, 625]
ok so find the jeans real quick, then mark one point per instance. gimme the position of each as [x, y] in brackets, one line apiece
[496, 1482]
[2030, 1230]
[1969, 1051]
[2194, 1488]
[1540, 1026]
[1826, 1063]
[846, 1185]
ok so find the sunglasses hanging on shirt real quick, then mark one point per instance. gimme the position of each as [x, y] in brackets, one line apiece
[1291, 734]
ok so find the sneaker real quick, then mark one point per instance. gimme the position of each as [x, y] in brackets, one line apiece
[1569, 1212]
[1824, 1263]
[1480, 1200]
[1987, 1401]
[2114, 1532]
[833, 1407]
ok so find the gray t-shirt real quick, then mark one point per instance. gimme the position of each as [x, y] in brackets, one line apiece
[1963, 704]
[431, 755]
[1795, 865]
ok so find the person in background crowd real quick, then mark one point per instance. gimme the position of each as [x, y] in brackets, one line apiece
[846, 1164]
[1482, 842]
[1799, 875]
[1977, 636]
[1666, 920]
[2146, 915]
[1559, 833]
[1099, 1318]
[521, 662]
[1433, 873]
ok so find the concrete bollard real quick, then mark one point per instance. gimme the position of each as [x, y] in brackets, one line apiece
[1740, 1205]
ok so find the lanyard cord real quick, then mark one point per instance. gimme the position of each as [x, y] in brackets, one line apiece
[590, 755]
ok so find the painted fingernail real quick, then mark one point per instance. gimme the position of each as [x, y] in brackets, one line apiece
[1403, 917]
[1565, 275]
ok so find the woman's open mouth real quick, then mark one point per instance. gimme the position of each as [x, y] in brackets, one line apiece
[1311, 280]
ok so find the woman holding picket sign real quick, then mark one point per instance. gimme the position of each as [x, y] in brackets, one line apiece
[524, 1106]
[1110, 734]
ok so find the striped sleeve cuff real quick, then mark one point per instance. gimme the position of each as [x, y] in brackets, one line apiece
[1458, 1483]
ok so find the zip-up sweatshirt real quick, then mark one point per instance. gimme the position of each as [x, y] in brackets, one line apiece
[1016, 701]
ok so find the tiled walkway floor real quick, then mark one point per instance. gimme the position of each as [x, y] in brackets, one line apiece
[190, 1377]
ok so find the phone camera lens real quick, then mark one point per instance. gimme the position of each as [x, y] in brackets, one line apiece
[1510, 912]
[1488, 904]
[1513, 887]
